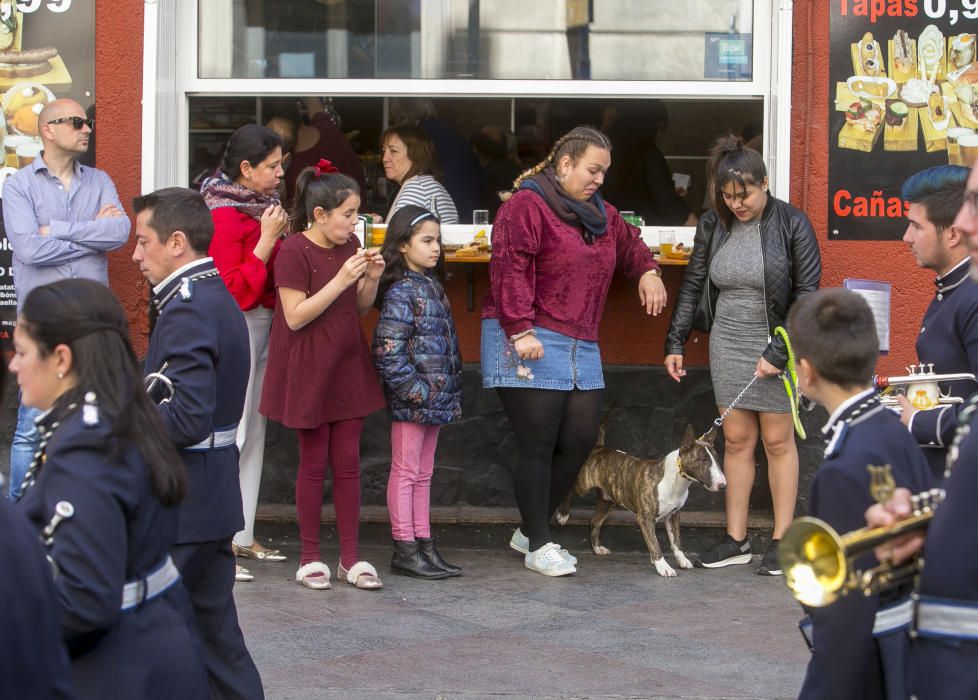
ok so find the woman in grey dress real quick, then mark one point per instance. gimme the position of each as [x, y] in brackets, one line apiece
[753, 257]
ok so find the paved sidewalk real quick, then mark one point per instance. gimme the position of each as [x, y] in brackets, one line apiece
[614, 630]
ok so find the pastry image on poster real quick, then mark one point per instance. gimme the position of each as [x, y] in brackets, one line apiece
[903, 95]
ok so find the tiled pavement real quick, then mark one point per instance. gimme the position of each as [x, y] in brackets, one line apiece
[614, 630]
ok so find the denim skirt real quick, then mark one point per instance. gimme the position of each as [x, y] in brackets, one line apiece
[567, 363]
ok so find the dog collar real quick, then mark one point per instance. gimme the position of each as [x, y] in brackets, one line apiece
[682, 472]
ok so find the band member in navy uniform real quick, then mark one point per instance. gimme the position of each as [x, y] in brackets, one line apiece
[33, 661]
[859, 643]
[944, 650]
[948, 336]
[199, 361]
[102, 493]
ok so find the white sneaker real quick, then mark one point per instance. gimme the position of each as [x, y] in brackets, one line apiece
[521, 543]
[549, 561]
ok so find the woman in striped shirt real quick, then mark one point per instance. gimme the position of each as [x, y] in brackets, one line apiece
[409, 160]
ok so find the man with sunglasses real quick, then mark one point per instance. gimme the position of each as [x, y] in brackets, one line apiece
[948, 337]
[60, 218]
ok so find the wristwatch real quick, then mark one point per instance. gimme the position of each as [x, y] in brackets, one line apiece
[653, 271]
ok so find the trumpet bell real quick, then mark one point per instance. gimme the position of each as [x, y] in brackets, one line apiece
[813, 557]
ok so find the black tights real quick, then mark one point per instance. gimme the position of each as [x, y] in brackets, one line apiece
[555, 431]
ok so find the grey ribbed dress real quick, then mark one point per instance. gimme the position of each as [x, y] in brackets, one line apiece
[740, 332]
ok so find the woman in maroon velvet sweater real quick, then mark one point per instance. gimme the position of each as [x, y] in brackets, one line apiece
[249, 223]
[555, 248]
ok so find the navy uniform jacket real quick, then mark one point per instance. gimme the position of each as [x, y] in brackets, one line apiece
[949, 339]
[120, 532]
[949, 668]
[33, 661]
[845, 662]
[201, 333]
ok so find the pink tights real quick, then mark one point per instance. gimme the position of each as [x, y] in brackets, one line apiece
[409, 488]
[336, 445]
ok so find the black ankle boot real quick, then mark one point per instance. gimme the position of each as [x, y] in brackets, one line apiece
[407, 561]
[426, 546]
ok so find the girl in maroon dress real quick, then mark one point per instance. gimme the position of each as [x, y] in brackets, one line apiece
[320, 379]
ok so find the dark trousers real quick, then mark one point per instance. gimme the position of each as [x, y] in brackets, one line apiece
[207, 569]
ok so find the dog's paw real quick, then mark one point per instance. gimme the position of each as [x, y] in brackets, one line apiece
[682, 561]
[601, 550]
[663, 567]
[562, 518]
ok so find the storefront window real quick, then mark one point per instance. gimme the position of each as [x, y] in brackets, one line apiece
[477, 39]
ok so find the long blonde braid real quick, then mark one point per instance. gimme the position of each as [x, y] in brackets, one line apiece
[574, 143]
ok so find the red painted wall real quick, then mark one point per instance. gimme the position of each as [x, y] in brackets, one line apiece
[883, 260]
[628, 336]
[118, 97]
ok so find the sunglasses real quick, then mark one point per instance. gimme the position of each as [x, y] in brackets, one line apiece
[76, 122]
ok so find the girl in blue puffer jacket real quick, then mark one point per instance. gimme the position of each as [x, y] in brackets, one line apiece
[415, 349]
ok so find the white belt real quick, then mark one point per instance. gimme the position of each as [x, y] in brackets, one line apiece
[892, 618]
[947, 619]
[219, 438]
[137, 592]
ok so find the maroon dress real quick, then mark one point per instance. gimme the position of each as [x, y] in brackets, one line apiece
[323, 372]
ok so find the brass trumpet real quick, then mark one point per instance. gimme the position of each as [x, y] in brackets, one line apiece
[819, 565]
[921, 386]
[153, 378]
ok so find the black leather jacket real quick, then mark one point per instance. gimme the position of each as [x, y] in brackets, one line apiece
[792, 268]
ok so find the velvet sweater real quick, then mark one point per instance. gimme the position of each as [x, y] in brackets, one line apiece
[542, 273]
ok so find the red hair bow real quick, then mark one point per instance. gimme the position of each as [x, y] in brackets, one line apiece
[324, 166]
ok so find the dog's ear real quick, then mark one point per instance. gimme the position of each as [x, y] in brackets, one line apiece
[689, 437]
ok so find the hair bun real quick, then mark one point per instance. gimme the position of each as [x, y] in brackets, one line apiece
[729, 143]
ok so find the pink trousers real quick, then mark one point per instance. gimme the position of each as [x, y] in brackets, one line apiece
[409, 487]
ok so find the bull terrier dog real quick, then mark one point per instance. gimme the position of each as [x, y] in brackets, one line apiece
[652, 489]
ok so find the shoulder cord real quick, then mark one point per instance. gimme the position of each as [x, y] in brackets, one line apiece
[790, 378]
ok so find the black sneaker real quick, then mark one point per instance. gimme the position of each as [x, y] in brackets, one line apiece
[770, 565]
[728, 552]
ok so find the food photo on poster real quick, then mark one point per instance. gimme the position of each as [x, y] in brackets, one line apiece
[47, 51]
[904, 96]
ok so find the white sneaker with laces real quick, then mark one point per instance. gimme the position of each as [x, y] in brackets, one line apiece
[549, 561]
[521, 543]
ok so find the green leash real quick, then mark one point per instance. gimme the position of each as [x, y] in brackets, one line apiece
[790, 378]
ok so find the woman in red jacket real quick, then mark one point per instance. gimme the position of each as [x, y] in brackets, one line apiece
[249, 222]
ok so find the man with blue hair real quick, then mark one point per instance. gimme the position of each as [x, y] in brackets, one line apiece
[948, 336]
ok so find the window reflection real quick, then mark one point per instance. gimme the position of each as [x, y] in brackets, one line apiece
[476, 39]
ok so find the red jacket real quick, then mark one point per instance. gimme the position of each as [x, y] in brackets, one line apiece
[542, 273]
[247, 278]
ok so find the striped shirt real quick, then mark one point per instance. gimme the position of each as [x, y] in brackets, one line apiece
[426, 192]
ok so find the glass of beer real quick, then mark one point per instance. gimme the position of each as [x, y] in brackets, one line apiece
[667, 240]
[953, 151]
[968, 145]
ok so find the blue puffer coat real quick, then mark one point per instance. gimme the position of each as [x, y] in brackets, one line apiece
[416, 353]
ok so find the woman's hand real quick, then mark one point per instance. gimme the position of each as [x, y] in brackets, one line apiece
[528, 348]
[766, 369]
[674, 367]
[353, 269]
[273, 222]
[652, 294]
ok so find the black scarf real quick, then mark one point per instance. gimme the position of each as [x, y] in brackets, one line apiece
[590, 215]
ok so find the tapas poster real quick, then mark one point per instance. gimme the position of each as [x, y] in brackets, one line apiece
[47, 51]
[903, 93]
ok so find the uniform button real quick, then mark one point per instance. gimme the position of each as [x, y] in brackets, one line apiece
[940, 297]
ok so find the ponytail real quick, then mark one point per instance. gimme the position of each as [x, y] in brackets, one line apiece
[731, 160]
[326, 190]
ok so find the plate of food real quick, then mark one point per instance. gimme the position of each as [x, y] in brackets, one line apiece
[965, 83]
[679, 251]
[916, 92]
[22, 104]
[871, 88]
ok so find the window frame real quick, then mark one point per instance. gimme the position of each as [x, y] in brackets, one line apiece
[170, 80]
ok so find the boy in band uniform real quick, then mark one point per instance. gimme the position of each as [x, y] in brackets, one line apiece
[858, 643]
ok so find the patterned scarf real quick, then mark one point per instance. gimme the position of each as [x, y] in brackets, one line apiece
[221, 191]
[590, 215]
